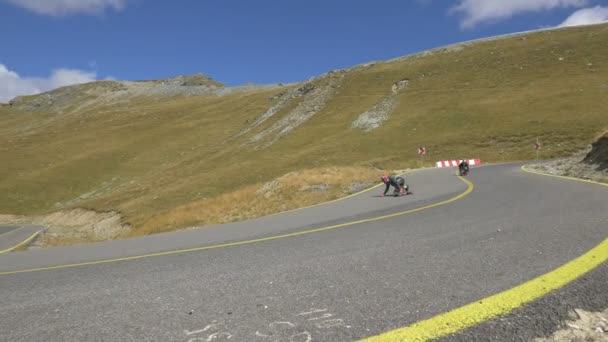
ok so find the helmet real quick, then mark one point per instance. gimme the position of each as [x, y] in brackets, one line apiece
[384, 179]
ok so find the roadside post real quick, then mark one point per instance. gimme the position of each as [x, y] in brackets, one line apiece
[421, 152]
[537, 147]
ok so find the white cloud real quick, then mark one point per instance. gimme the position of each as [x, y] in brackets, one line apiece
[587, 16]
[479, 11]
[66, 7]
[11, 84]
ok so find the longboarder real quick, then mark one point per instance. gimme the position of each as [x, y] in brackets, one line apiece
[396, 182]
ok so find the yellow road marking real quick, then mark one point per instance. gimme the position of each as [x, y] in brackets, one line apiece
[20, 243]
[469, 189]
[524, 168]
[501, 303]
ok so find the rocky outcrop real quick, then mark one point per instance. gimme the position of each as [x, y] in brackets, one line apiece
[598, 155]
[592, 163]
[311, 98]
[380, 112]
[281, 101]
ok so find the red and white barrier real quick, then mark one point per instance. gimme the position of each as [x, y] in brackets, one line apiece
[454, 163]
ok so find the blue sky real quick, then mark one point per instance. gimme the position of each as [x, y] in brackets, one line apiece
[51, 43]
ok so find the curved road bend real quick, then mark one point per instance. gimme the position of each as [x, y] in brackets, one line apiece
[12, 236]
[430, 186]
[335, 285]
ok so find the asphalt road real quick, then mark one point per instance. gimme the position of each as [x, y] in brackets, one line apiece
[12, 236]
[339, 284]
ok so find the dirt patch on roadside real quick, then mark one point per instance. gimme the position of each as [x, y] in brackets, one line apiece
[584, 326]
[73, 226]
[82, 225]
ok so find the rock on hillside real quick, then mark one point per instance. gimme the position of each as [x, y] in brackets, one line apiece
[196, 80]
[598, 156]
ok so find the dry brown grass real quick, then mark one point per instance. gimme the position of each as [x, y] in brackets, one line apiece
[290, 191]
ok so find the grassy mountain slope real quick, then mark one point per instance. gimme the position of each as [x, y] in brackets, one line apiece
[146, 156]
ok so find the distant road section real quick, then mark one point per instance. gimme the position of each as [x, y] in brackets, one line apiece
[7, 229]
[13, 237]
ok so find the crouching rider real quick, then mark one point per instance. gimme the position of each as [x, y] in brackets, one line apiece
[396, 182]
